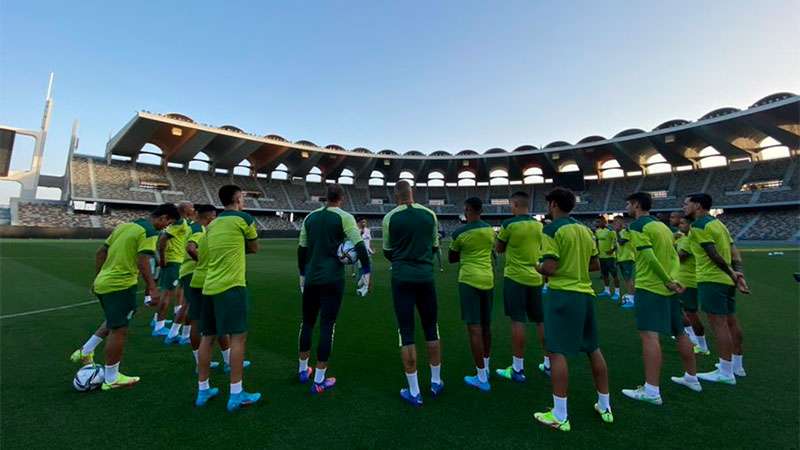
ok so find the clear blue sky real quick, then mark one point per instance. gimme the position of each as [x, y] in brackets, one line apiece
[399, 75]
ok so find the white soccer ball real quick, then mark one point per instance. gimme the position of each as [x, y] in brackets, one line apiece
[347, 253]
[88, 378]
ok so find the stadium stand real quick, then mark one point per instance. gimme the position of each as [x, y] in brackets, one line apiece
[50, 214]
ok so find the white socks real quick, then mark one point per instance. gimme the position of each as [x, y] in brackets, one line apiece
[690, 378]
[486, 364]
[737, 362]
[173, 331]
[546, 362]
[725, 368]
[652, 391]
[236, 388]
[413, 383]
[560, 408]
[91, 344]
[483, 375]
[111, 373]
[616, 292]
[603, 401]
[186, 332]
[160, 324]
[319, 375]
[701, 342]
[436, 374]
[518, 364]
[226, 356]
[203, 385]
[302, 365]
[606, 290]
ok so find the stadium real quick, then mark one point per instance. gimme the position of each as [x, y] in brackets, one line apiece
[244, 283]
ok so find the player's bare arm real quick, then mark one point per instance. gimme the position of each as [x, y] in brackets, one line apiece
[594, 264]
[711, 251]
[162, 248]
[548, 267]
[191, 249]
[500, 246]
[143, 262]
[251, 246]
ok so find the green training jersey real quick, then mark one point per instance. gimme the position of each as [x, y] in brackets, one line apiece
[225, 238]
[572, 244]
[179, 233]
[705, 231]
[189, 264]
[410, 233]
[606, 242]
[647, 232]
[322, 232]
[626, 251]
[474, 243]
[121, 269]
[686, 274]
[199, 274]
[523, 238]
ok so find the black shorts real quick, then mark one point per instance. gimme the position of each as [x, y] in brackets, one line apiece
[194, 299]
[523, 303]
[476, 304]
[422, 296]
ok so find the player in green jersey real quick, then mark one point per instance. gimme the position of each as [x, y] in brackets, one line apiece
[718, 270]
[171, 253]
[658, 309]
[322, 280]
[626, 254]
[471, 247]
[520, 239]
[118, 263]
[607, 253]
[410, 239]
[229, 237]
[675, 224]
[693, 326]
[568, 254]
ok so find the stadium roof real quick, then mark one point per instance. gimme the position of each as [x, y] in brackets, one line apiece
[733, 132]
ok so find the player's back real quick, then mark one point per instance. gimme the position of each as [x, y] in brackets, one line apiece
[120, 269]
[410, 232]
[606, 239]
[322, 232]
[474, 243]
[710, 230]
[225, 238]
[523, 238]
[176, 245]
[572, 244]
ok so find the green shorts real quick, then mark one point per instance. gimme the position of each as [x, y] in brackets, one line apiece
[689, 299]
[627, 269]
[476, 304]
[168, 278]
[658, 313]
[194, 299]
[717, 298]
[230, 311]
[522, 303]
[570, 326]
[608, 266]
[118, 307]
[208, 323]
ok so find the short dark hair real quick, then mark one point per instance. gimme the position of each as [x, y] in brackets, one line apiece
[204, 208]
[564, 199]
[702, 198]
[166, 209]
[475, 204]
[644, 200]
[522, 196]
[335, 192]
[602, 217]
[227, 193]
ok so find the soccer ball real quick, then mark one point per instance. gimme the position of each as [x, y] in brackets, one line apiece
[88, 378]
[346, 253]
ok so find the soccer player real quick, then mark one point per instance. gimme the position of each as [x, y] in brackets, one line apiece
[719, 274]
[119, 262]
[229, 237]
[570, 327]
[658, 309]
[410, 239]
[366, 236]
[471, 247]
[171, 253]
[322, 278]
[675, 224]
[686, 277]
[520, 239]
[625, 260]
[606, 248]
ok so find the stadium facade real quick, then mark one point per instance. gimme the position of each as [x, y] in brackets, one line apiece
[747, 159]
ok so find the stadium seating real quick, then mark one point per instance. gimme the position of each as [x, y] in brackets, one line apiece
[50, 214]
[783, 225]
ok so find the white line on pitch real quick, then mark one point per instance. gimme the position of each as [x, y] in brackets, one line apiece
[39, 311]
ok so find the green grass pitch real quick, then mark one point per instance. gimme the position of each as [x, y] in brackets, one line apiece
[41, 410]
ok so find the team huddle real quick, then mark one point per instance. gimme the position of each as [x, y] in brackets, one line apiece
[669, 276]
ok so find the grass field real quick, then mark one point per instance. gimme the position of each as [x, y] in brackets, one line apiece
[41, 410]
